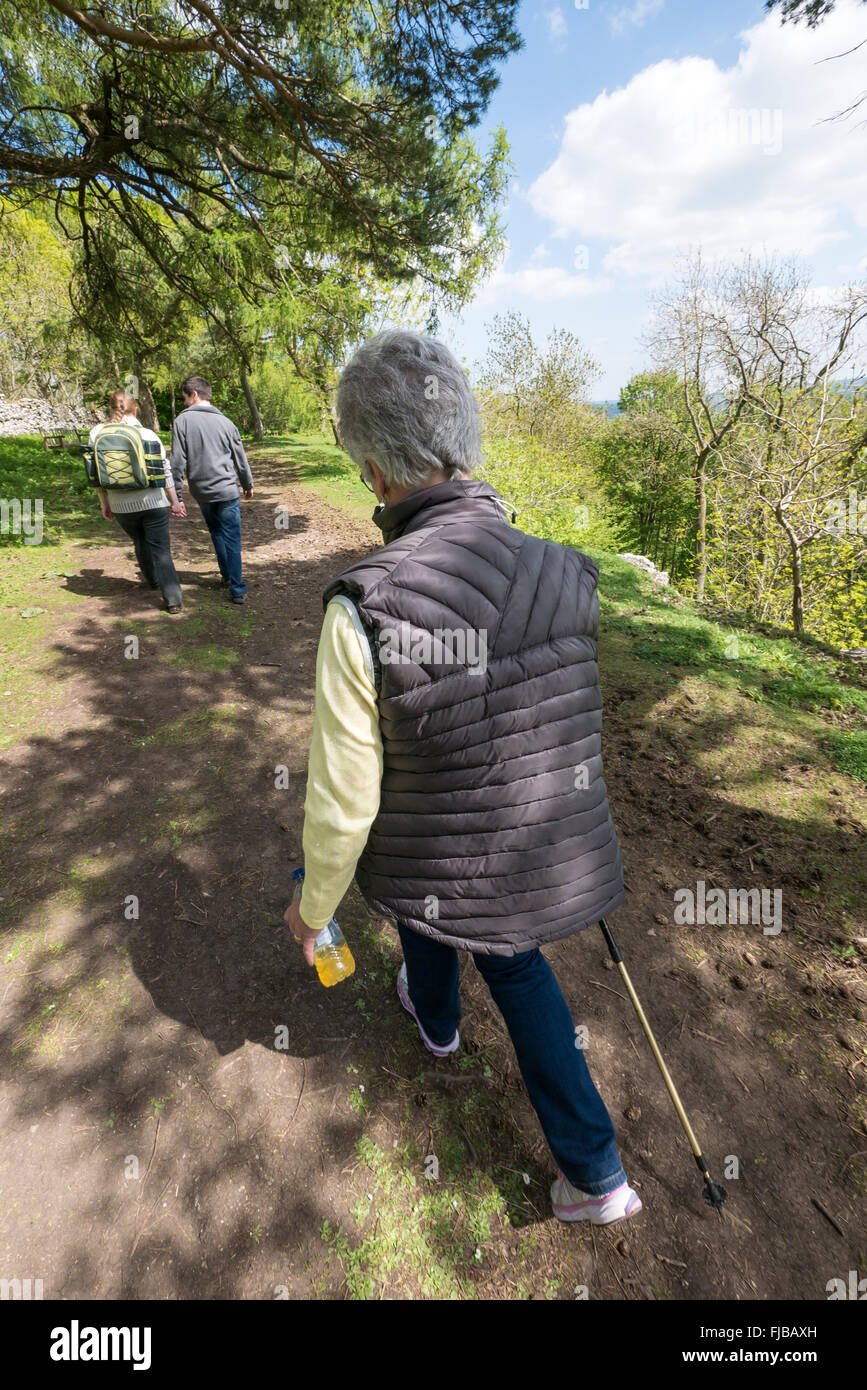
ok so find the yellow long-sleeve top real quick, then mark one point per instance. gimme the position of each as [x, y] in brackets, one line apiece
[345, 767]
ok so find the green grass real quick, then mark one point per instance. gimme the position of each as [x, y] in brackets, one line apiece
[34, 593]
[323, 468]
[57, 1010]
[848, 752]
[213, 728]
[209, 657]
[738, 655]
[413, 1234]
[54, 477]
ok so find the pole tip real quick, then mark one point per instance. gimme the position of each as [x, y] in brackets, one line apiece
[713, 1194]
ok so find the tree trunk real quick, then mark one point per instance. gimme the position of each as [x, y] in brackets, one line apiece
[328, 410]
[255, 417]
[797, 571]
[700, 477]
[797, 587]
[149, 416]
[147, 409]
[762, 552]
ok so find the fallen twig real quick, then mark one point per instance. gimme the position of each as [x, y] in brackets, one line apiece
[827, 1215]
[469, 1143]
[301, 1092]
[150, 1213]
[449, 1080]
[599, 985]
[153, 1151]
[222, 1108]
[398, 1075]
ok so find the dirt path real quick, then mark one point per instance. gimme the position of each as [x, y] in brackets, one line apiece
[186, 1113]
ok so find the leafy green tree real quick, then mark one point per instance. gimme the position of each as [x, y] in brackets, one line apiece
[132, 315]
[646, 472]
[812, 12]
[536, 392]
[756, 353]
[288, 404]
[251, 149]
[34, 303]
[539, 429]
[798, 453]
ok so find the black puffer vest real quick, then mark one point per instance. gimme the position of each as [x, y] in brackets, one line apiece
[493, 832]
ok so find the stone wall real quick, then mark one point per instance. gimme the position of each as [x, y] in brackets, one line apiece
[36, 416]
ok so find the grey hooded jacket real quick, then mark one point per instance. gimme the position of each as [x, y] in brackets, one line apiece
[494, 832]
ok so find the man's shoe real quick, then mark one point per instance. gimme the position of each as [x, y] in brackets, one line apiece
[238, 598]
[571, 1204]
[175, 608]
[436, 1048]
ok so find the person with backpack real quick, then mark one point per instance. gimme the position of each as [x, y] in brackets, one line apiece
[207, 450]
[136, 489]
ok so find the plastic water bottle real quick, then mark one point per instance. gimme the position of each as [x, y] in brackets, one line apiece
[331, 954]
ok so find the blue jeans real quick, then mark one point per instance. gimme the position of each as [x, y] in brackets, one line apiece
[223, 520]
[571, 1111]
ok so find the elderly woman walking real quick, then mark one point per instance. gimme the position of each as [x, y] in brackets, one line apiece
[455, 769]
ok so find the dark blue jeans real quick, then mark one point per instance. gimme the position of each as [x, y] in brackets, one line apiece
[571, 1111]
[223, 520]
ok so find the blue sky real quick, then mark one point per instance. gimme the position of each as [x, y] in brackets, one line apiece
[640, 129]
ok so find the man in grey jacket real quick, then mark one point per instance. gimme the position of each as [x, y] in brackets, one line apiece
[207, 448]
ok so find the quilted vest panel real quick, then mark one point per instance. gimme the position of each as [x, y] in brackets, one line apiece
[494, 832]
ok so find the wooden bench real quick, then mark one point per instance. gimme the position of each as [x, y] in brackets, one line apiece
[71, 439]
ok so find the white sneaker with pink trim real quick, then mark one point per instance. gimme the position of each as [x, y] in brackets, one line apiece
[438, 1049]
[571, 1204]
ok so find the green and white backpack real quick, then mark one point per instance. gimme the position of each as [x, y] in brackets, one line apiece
[120, 456]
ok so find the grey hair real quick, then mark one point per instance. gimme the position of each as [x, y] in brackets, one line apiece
[404, 401]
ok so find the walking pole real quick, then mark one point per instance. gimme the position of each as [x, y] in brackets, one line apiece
[712, 1193]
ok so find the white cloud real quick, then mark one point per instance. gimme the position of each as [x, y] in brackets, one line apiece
[556, 23]
[634, 16]
[539, 284]
[741, 158]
